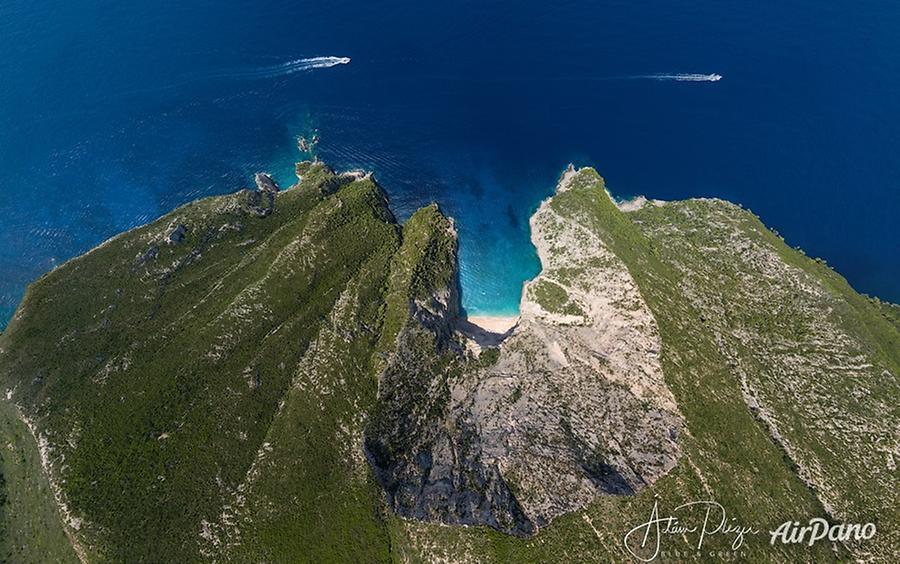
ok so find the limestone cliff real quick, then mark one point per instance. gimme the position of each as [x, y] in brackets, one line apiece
[286, 375]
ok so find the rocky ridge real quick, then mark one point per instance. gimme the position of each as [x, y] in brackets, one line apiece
[296, 364]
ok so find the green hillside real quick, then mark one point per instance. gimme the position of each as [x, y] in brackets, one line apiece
[287, 376]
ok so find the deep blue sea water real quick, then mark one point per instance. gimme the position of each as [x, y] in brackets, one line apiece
[112, 114]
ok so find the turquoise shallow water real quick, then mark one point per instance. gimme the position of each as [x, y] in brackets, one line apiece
[113, 114]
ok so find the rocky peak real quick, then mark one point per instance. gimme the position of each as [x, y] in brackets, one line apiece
[265, 183]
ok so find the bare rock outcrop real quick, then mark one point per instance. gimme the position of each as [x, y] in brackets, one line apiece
[574, 407]
[577, 405]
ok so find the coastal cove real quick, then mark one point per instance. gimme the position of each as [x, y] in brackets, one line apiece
[473, 282]
[297, 364]
[115, 116]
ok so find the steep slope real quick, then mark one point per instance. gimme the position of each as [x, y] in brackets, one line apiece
[693, 275]
[287, 376]
[158, 370]
[30, 527]
[817, 363]
[574, 407]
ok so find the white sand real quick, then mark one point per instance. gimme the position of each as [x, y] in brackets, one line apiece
[494, 324]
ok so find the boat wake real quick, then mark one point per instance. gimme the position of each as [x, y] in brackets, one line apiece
[285, 69]
[680, 77]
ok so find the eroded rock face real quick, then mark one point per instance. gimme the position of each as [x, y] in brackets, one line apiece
[175, 233]
[575, 407]
[424, 453]
[265, 183]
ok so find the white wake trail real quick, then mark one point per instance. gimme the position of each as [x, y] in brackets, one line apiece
[284, 69]
[323, 62]
[681, 77]
[301, 65]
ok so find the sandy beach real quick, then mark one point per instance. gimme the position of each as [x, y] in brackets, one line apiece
[494, 324]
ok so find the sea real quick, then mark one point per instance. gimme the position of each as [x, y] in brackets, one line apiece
[114, 113]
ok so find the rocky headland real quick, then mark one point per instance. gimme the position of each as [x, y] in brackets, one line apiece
[287, 374]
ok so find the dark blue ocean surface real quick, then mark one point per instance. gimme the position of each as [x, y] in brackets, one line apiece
[112, 114]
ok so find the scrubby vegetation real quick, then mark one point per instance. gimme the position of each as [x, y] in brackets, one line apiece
[553, 298]
[203, 387]
[30, 528]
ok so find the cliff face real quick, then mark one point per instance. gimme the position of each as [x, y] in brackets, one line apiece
[277, 375]
[575, 406]
[427, 460]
